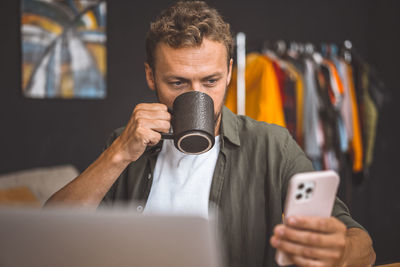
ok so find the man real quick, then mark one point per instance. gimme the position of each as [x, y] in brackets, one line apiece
[189, 47]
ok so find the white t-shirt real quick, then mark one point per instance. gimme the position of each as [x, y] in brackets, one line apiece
[181, 182]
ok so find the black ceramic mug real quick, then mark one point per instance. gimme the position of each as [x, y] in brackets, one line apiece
[192, 123]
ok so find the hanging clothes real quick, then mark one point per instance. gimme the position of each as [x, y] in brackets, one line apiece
[299, 99]
[346, 109]
[289, 103]
[288, 84]
[356, 142]
[370, 117]
[337, 94]
[313, 137]
[329, 123]
[263, 98]
[328, 102]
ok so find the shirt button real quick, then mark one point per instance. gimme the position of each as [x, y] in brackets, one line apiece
[139, 208]
[149, 176]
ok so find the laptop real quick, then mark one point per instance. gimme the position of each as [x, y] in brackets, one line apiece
[105, 238]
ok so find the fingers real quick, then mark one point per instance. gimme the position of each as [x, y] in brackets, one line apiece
[156, 125]
[151, 116]
[143, 129]
[311, 241]
[309, 238]
[152, 106]
[317, 224]
[308, 252]
[160, 114]
[148, 137]
[301, 261]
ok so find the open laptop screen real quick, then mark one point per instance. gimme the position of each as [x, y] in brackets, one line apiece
[105, 238]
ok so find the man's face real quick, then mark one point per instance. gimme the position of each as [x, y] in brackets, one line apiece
[181, 70]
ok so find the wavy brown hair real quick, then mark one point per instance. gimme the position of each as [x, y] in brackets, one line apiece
[185, 24]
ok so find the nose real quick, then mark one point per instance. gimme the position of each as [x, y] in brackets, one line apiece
[196, 87]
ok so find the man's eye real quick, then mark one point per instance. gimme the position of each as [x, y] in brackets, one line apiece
[176, 83]
[212, 81]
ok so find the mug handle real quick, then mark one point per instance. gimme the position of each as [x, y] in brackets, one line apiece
[167, 136]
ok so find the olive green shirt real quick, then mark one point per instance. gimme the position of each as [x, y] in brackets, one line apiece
[250, 180]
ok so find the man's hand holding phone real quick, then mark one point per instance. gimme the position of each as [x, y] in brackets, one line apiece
[309, 235]
[311, 241]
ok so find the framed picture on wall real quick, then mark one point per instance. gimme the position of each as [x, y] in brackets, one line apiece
[63, 48]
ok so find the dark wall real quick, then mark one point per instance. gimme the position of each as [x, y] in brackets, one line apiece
[50, 132]
[379, 199]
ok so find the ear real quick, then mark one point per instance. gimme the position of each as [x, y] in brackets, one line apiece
[149, 76]
[229, 71]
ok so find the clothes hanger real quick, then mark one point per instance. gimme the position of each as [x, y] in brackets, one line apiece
[346, 51]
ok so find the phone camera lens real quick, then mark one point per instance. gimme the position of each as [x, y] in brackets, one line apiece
[301, 186]
[299, 196]
[309, 190]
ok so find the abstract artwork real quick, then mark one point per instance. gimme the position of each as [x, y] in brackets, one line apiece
[63, 48]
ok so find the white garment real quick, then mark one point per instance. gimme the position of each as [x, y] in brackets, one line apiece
[181, 182]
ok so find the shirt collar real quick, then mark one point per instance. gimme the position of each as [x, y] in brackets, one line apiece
[229, 127]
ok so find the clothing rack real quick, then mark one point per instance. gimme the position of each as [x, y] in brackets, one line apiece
[334, 62]
[241, 66]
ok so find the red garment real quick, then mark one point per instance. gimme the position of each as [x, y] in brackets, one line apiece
[280, 76]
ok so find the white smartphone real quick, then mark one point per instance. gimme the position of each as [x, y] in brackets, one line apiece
[309, 194]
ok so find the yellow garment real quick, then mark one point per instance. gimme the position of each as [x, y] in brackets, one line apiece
[356, 143]
[263, 98]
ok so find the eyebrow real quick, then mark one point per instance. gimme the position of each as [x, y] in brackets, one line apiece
[173, 77]
[216, 74]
